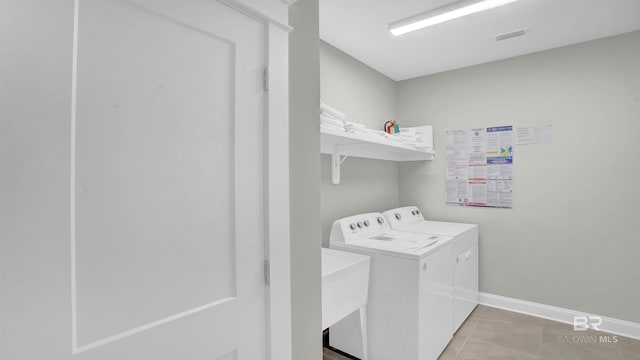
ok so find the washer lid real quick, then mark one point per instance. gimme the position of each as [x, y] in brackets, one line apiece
[404, 244]
[438, 227]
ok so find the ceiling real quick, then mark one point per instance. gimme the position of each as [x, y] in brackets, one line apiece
[360, 28]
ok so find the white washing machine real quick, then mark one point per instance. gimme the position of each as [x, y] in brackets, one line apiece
[465, 254]
[410, 291]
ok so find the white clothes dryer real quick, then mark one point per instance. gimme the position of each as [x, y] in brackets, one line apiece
[464, 250]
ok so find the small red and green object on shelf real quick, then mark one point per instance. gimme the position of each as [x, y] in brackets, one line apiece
[391, 127]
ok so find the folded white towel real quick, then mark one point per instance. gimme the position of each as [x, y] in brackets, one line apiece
[356, 129]
[324, 108]
[330, 127]
[329, 120]
[331, 116]
[353, 124]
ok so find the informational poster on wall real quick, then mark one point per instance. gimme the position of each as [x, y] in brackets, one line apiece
[479, 169]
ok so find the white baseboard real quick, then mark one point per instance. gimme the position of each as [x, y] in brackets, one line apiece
[610, 325]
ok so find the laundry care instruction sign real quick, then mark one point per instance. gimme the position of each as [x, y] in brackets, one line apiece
[479, 169]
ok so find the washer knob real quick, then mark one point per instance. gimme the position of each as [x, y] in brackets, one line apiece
[359, 225]
[398, 216]
[380, 220]
[352, 226]
[366, 223]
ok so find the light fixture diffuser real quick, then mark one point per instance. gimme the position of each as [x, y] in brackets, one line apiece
[445, 13]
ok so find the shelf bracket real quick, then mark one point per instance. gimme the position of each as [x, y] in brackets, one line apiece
[335, 168]
[336, 161]
[344, 158]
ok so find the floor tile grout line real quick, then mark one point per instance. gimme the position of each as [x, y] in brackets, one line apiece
[464, 342]
[512, 323]
[481, 315]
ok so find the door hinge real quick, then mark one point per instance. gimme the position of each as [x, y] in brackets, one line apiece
[265, 78]
[267, 272]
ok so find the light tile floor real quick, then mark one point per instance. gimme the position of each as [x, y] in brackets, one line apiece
[494, 334]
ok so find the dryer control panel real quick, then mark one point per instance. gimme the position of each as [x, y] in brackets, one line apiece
[356, 227]
[403, 216]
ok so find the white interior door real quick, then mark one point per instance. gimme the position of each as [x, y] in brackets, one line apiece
[166, 226]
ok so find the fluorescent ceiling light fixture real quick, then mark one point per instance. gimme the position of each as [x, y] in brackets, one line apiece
[445, 13]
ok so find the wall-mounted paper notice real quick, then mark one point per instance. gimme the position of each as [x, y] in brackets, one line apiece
[479, 167]
[533, 134]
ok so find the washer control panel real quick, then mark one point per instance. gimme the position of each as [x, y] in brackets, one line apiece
[358, 226]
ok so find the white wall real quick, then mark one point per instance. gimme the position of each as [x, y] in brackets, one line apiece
[304, 90]
[571, 239]
[365, 96]
[34, 173]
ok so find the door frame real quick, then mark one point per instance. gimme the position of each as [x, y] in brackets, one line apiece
[274, 14]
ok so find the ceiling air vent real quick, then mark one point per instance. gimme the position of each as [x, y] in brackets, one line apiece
[511, 35]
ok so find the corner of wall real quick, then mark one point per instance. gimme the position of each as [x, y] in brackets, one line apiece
[304, 176]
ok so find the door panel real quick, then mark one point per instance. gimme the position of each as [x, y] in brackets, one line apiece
[154, 171]
[167, 96]
[164, 258]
